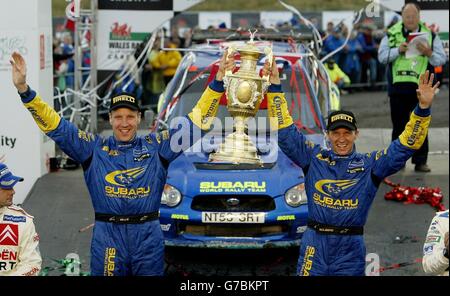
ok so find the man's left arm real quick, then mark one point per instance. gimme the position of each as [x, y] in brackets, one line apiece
[436, 54]
[180, 138]
[188, 129]
[392, 159]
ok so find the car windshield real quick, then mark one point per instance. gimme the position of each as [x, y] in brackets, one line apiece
[303, 107]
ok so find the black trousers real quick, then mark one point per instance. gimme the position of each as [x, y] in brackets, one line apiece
[401, 107]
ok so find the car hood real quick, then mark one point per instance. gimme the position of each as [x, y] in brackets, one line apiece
[193, 175]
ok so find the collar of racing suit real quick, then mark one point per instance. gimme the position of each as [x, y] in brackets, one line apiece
[333, 156]
[127, 144]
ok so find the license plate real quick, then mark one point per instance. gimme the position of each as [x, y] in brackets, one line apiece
[235, 217]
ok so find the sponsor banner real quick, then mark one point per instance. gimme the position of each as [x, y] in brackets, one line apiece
[16, 139]
[214, 19]
[31, 35]
[175, 5]
[430, 4]
[271, 19]
[120, 33]
[135, 4]
[9, 42]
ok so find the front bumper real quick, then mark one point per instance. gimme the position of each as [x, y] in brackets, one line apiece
[282, 228]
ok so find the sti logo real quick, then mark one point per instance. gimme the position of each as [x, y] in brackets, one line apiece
[9, 235]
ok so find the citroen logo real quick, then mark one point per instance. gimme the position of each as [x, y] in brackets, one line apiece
[232, 202]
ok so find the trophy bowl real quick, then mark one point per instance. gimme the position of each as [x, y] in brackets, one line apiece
[245, 90]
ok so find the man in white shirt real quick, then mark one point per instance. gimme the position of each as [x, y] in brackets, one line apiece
[435, 249]
[19, 242]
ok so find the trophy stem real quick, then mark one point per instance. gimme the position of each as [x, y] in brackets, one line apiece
[239, 124]
[237, 147]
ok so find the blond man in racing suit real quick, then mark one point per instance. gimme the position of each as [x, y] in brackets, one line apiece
[435, 249]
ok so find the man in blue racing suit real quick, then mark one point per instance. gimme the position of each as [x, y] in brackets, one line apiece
[341, 183]
[125, 174]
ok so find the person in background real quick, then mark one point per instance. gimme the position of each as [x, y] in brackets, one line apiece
[369, 55]
[169, 60]
[403, 73]
[351, 65]
[435, 249]
[154, 83]
[337, 75]
[333, 42]
[19, 242]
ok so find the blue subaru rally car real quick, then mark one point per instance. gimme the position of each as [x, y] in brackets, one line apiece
[218, 205]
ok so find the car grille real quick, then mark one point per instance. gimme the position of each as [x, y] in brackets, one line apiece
[263, 203]
[232, 230]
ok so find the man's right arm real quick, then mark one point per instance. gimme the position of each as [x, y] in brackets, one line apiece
[77, 144]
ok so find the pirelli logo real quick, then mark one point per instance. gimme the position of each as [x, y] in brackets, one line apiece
[342, 117]
[123, 98]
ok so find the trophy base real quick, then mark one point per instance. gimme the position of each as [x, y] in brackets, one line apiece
[237, 148]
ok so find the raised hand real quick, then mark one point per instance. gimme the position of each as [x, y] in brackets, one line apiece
[274, 77]
[19, 72]
[426, 90]
[226, 63]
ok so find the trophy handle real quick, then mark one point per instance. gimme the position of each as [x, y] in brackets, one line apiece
[269, 54]
[229, 51]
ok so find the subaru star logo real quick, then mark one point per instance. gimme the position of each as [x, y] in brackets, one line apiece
[233, 202]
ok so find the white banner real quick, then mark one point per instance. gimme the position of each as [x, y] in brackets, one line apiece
[206, 19]
[272, 19]
[25, 26]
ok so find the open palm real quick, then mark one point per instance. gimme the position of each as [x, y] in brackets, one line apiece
[426, 90]
[19, 72]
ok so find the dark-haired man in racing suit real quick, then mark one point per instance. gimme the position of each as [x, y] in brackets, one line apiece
[341, 183]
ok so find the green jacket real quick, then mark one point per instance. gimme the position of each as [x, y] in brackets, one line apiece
[407, 69]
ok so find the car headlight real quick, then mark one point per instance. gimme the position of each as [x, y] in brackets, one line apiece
[296, 196]
[171, 196]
